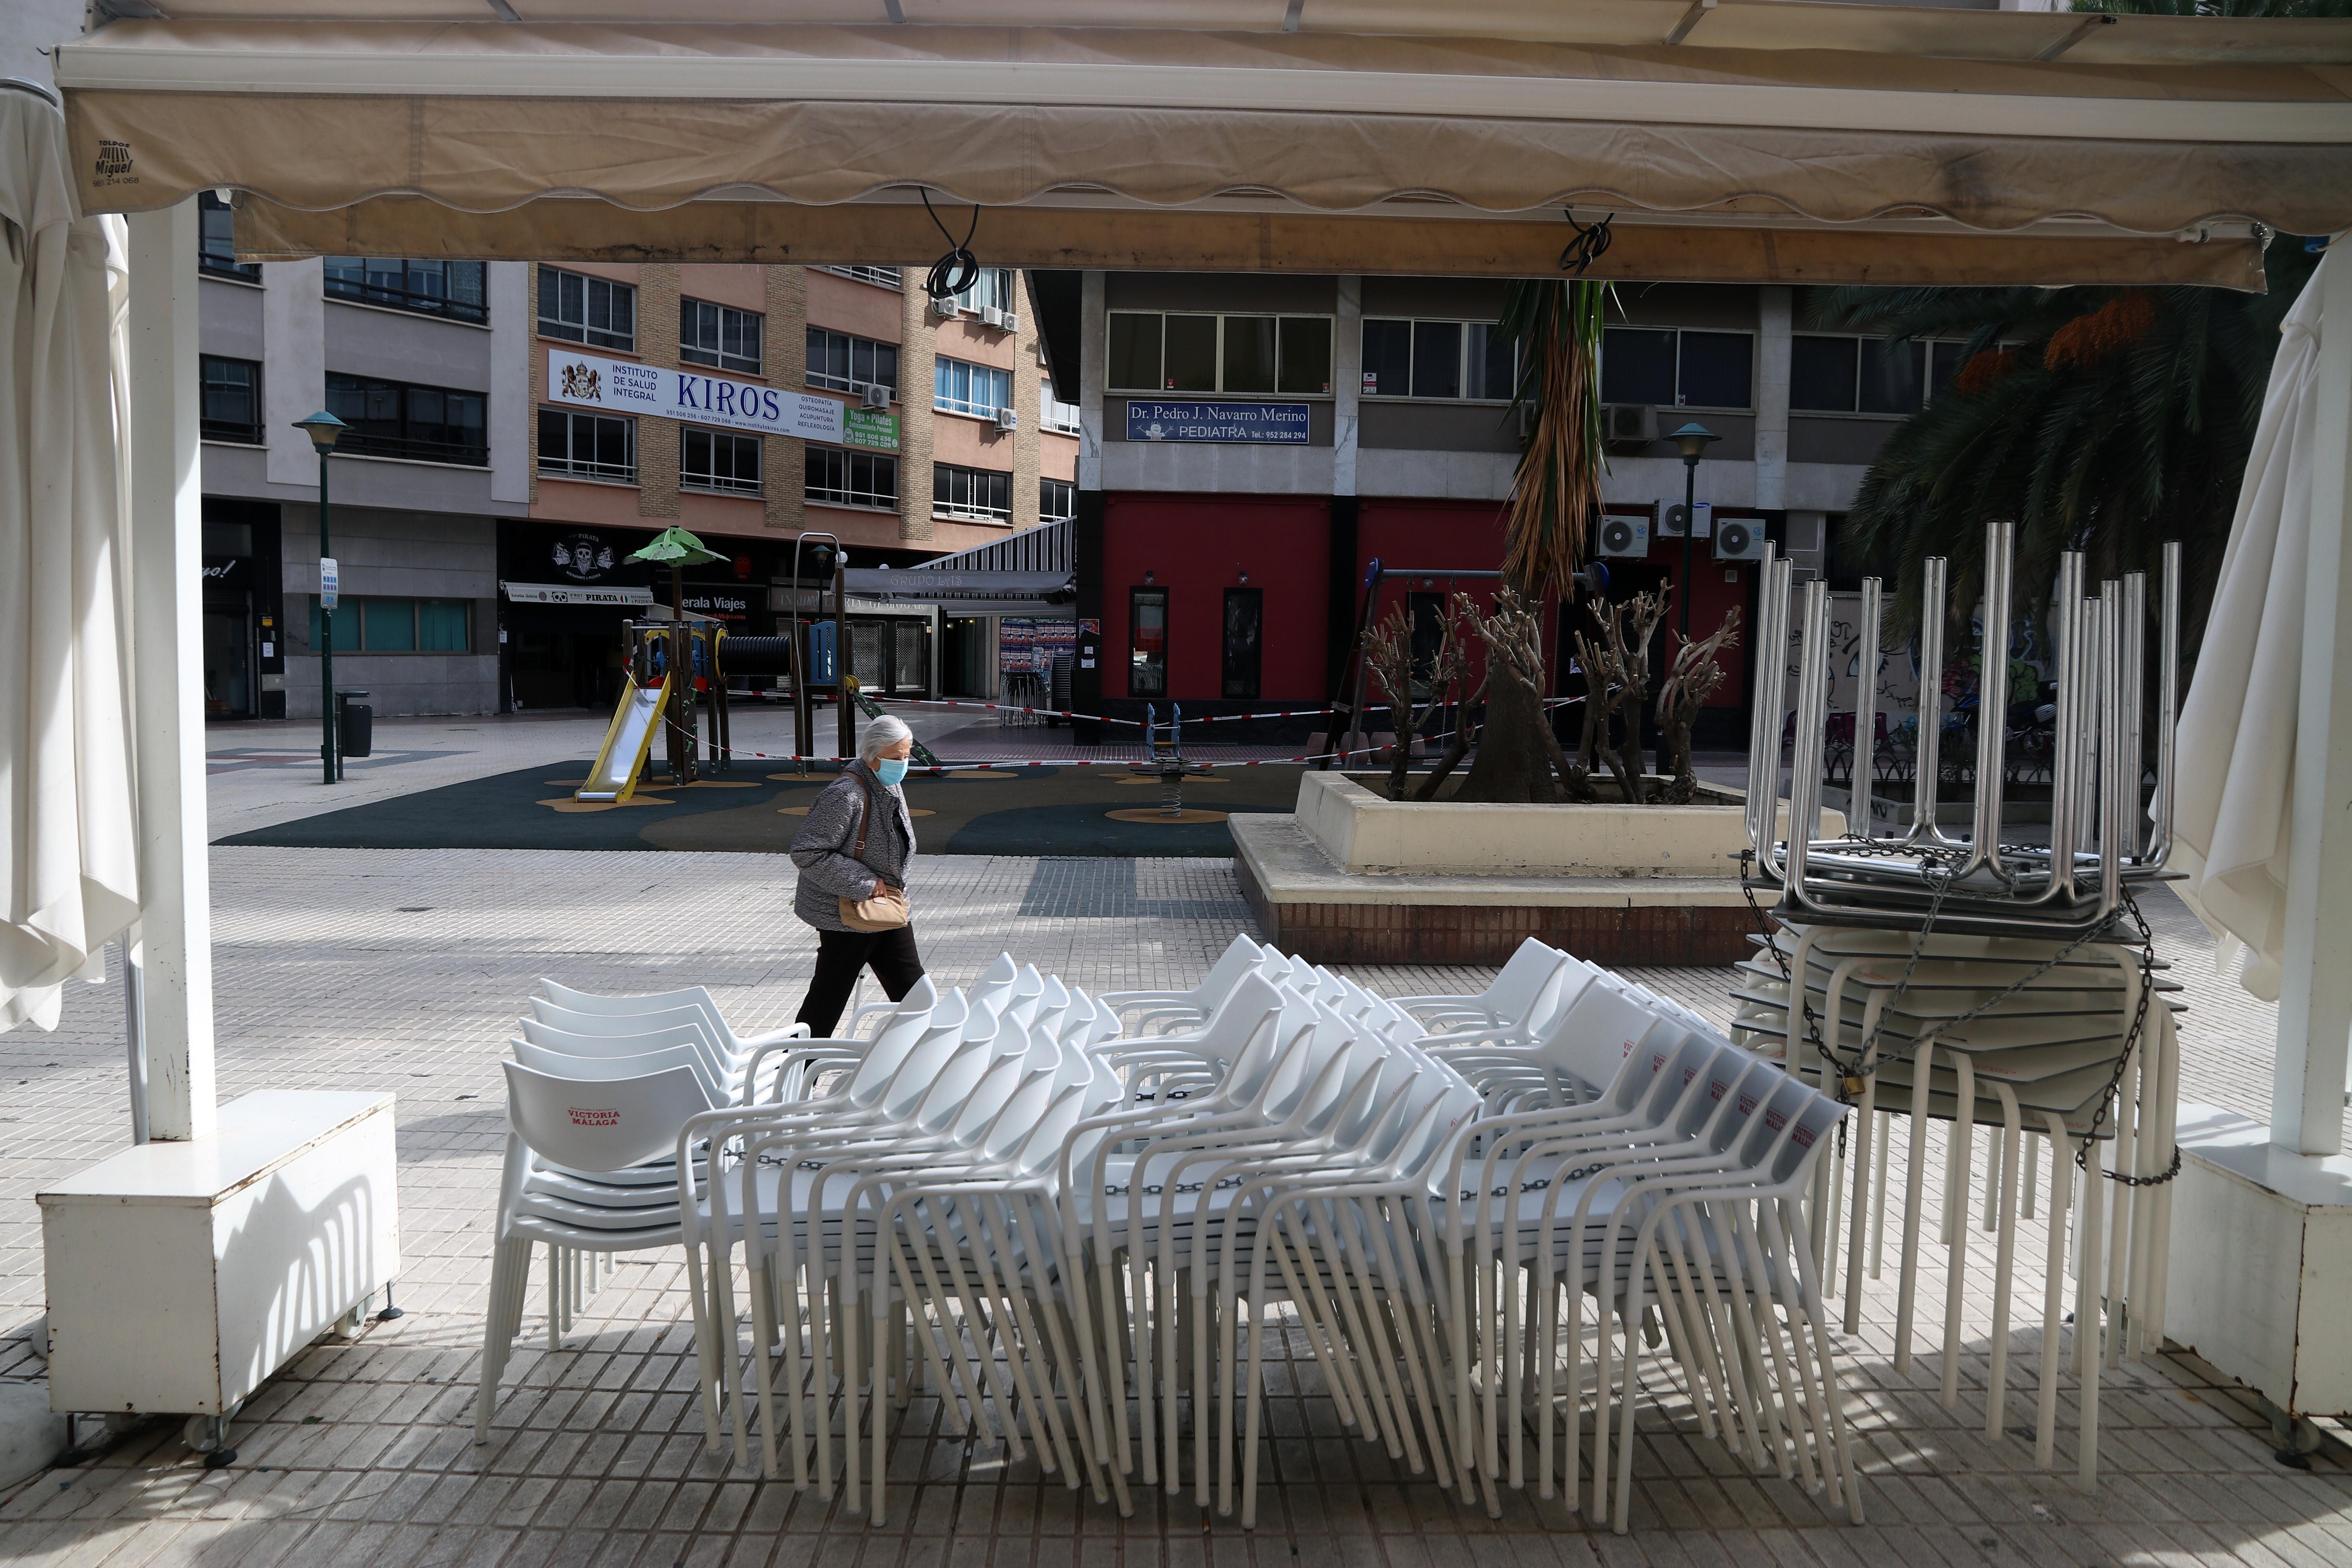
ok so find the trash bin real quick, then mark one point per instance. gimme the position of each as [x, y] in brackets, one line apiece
[354, 722]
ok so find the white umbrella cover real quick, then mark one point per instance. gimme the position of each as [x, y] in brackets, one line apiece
[69, 854]
[2233, 811]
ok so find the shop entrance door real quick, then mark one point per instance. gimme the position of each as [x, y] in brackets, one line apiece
[562, 670]
[963, 661]
[229, 663]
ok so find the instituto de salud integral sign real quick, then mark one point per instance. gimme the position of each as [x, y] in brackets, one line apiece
[623, 386]
[1148, 419]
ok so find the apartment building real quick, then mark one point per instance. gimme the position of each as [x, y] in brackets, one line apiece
[760, 406]
[1252, 448]
[423, 361]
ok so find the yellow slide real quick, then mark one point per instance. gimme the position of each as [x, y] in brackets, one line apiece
[626, 744]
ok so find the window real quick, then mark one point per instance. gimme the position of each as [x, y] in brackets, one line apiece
[1437, 359]
[587, 445]
[1146, 642]
[429, 288]
[1285, 355]
[1056, 415]
[851, 364]
[982, 494]
[583, 309]
[719, 335]
[1245, 619]
[719, 460]
[1672, 368]
[887, 277]
[1057, 500]
[232, 410]
[991, 290]
[1841, 374]
[852, 478]
[217, 240]
[393, 419]
[962, 388]
[373, 624]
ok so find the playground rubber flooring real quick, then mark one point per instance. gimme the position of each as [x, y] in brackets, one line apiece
[1047, 811]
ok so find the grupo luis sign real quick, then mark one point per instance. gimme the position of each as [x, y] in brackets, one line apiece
[622, 386]
[1149, 419]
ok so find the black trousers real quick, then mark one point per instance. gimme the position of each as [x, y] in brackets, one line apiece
[840, 954]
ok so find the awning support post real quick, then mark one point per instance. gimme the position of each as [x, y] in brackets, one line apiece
[167, 659]
[2315, 1020]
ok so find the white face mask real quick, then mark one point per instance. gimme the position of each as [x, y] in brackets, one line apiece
[890, 769]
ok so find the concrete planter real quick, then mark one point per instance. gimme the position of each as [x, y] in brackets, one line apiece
[1362, 831]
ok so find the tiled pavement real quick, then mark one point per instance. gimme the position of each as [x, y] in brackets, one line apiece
[401, 971]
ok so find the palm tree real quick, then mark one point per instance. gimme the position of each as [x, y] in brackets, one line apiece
[2101, 419]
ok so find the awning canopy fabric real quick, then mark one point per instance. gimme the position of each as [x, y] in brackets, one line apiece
[1735, 140]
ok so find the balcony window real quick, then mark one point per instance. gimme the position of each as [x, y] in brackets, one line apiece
[396, 419]
[1057, 499]
[1056, 415]
[719, 460]
[1672, 368]
[719, 335]
[1843, 373]
[587, 445]
[851, 364]
[974, 495]
[583, 309]
[455, 289]
[977, 389]
[232, 408]
[1252, 355]
[991, 290]
[838, 478]
[881, 277]
[1459, 361]
[216, 241]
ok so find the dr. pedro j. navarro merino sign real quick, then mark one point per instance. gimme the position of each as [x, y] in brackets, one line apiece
[622, 386]
[1150, 419]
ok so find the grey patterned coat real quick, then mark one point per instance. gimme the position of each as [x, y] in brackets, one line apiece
[823, 848]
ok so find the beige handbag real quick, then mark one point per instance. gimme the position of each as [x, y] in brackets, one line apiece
[887, 910]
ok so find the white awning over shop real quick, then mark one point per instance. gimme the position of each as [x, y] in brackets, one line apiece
[573, 594]
[1740, 140]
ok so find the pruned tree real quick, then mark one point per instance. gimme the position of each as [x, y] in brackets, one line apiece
[1461, 626]
[1388, 652]
[1616, 665]
[1514, 684]
[1691, 679]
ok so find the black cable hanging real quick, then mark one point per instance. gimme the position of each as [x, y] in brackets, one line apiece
[1589, 245]
[959, 269]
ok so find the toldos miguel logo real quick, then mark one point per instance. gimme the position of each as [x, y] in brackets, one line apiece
[583, 381]
[114, 164]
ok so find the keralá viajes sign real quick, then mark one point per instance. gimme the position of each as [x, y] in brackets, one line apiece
[623, 386]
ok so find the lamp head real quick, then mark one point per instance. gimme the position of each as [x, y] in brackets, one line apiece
[323, 429]
[1694, 439]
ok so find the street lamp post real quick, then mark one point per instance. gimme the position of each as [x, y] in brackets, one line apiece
[1694, 439]
[325, 429]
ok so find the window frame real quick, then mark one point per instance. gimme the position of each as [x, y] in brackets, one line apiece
[1750, 333]
[570, 468]
[846, 493]
[944, 477]
[895, 280]
[221, 264]
[1068, 490]
[1412, 354]
[1136, 655]
[711, 482]
[1226, 680]
[720, 358]
[407, 297]
[357, 607]
[229, 431]
[974, 300]
[405, 447]
[561, 330]
[941, 404]
[1330, 364]
[851, 383]
[1048, 403]
[1931, 349]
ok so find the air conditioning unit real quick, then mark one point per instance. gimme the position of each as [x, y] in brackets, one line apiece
[1624, 535]
[1007, 419]
[874, 396]
[1629, 423]
[1739, 539]
[1674, 519]
[1012, 322]
[944, 308]
[990, 316]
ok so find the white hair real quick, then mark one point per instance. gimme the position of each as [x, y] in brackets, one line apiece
[880, 734]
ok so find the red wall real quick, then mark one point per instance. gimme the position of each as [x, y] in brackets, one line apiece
[1711, 596]
[1196, 547]
[1464, 535]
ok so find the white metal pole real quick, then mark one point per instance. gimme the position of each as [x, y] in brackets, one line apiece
[167, 575]
[2315, 1017]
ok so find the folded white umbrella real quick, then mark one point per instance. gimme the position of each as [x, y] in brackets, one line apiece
[2233, 811]
[67, 856]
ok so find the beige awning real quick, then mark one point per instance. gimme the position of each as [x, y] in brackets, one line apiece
[1905, 144]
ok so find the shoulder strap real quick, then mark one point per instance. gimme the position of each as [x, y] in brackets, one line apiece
[865, 817]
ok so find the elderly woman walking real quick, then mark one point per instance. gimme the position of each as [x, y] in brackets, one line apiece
[853, 853]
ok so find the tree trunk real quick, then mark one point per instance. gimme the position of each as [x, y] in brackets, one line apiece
[1514, 764]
